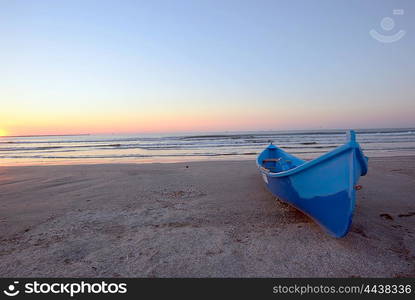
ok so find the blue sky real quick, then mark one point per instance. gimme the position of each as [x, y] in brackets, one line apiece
[131, 66]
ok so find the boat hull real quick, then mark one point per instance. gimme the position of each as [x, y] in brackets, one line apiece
[324, 188]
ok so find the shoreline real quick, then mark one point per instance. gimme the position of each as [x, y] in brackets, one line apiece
[206, 220]
[144, 162]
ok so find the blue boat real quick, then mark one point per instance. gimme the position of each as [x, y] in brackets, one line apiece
[323, 188]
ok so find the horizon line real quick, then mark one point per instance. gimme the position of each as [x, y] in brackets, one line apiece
[215, 131]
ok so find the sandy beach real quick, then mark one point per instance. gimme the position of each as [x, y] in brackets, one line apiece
[196, 219]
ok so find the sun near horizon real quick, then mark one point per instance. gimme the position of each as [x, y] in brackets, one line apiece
[3, 132]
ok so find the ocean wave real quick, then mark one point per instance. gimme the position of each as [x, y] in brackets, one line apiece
[395, 141]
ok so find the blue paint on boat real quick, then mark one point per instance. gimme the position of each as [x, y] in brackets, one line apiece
[323, 188]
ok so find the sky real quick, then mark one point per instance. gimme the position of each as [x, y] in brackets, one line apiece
[70, 67]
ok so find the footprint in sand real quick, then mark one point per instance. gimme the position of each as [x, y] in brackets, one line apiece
[409, 214]
[386, 216]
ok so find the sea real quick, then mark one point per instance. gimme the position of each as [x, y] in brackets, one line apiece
[182, 147]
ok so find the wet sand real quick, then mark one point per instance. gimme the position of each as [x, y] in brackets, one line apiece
[209, 219]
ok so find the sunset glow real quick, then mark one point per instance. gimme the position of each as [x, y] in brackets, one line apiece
[165, 66]
[3, 132]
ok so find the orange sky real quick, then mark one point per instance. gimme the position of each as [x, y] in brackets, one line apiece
[230, 119]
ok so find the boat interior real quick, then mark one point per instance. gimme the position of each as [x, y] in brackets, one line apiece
[275, 160]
